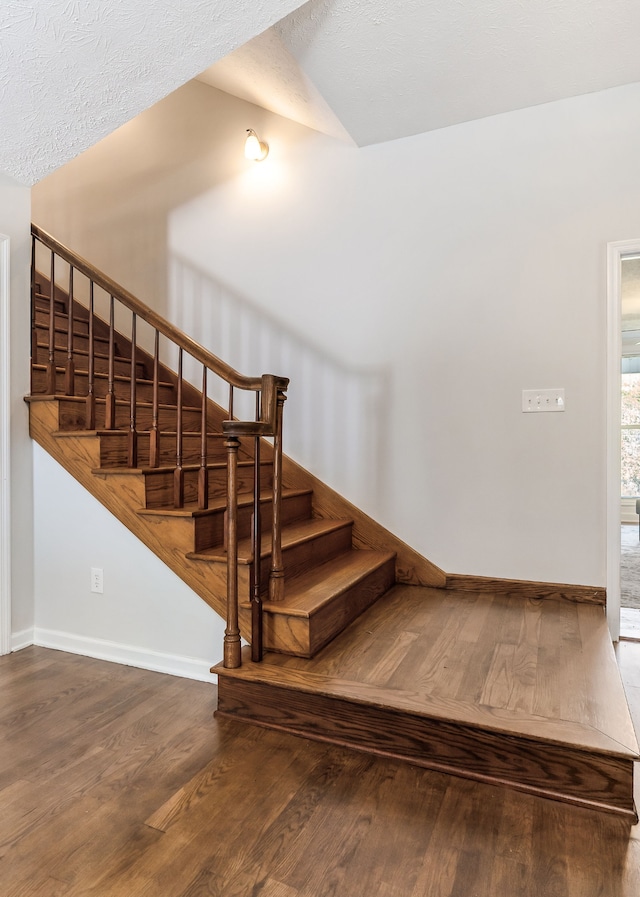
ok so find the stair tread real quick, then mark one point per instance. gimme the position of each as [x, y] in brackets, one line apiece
[79, 351]
[57, 299]
[150, 471]
[307, 593]
[292, 534]
[216, 505]
[145, 471]
[102, 375]
[63, 330]
[68, 434]
[100, 400]
[191, 434]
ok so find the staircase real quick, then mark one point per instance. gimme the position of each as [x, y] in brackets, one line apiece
[290, 564]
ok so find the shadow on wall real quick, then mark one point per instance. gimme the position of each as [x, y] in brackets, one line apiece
[334, 415]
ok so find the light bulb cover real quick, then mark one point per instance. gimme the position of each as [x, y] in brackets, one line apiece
[254, 148]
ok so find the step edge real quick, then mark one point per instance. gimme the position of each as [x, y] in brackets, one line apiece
[281, 608]
[204, 512]
[476, 716]
[102, 375]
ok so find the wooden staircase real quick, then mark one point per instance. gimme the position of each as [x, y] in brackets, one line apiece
[329, 580]
[138, 445]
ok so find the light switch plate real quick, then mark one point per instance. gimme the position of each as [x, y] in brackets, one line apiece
[535, 400]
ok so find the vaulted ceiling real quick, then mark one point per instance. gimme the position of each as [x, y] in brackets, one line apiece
[380, 70]
[362, 70]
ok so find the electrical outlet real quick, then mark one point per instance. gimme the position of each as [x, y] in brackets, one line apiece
[97, 581]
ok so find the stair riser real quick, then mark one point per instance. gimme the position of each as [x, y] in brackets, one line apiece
[43, 304]
[550, 770]
[159, 485]
[61, 322]
[300, 558]
[121, 366]
[73, 417]
[80, 342]
[209, 531]
[121, 388]
[305, 636]
[297, 508]
[114, 449]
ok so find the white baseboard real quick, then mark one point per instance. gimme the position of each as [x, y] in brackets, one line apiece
[185, 667]
[20, 640]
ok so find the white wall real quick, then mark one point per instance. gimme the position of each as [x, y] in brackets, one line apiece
[111, 204]
[15, 211]
[146, 616]
[466, 264]
[470, 263]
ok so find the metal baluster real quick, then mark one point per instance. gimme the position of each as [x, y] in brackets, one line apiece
[110, 401]
[154, 436]
[70, 369]
[51, 366]
[90, 422]
[203, 473]
[256, 551]
[178, 474]
[133, 433]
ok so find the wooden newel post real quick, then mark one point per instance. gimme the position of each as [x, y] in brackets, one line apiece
[276, 575]
[232, 655]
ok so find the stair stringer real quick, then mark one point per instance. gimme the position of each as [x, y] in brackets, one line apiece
[123, 494]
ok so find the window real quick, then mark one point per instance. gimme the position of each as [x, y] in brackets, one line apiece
[630, 418]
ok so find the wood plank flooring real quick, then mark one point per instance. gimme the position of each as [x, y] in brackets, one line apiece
[519, 691]
[117, 782]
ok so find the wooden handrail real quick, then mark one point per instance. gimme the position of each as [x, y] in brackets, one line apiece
[147, 314]
[270, 396]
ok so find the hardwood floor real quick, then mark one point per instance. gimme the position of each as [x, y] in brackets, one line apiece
[496, 687]
[117, 782]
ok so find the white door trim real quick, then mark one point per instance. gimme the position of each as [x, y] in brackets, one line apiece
[615, 254]
[5, 449]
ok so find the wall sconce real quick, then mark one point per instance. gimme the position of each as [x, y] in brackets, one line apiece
[253, 148]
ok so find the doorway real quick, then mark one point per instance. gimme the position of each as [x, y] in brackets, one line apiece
[623, 432]
[630, 447]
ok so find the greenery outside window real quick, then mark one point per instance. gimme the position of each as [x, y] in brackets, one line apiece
[630, 437]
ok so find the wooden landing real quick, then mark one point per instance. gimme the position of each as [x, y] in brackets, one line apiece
[519, 692]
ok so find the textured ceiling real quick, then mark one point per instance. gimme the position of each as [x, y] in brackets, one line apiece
[266, 73]
[72, 71]
[389, 70]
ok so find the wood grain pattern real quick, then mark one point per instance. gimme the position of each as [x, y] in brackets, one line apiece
[101, 359]
[581, 777]
[527, 589]
[192, 544]
[121, 384]
[101, 756]
[395, 681]
[309, 617]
